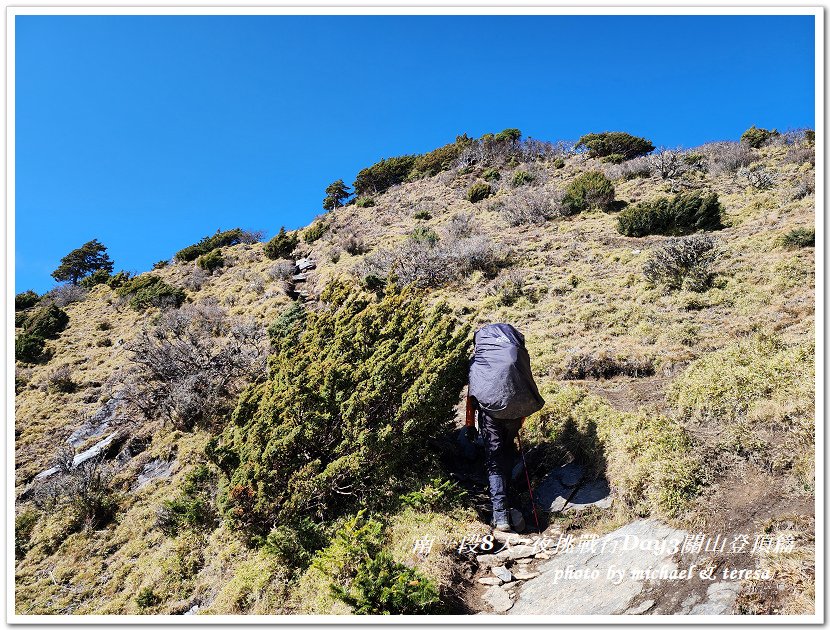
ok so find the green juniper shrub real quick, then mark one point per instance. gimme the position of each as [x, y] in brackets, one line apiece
[24, 524]
[281, 245]
[491, 174]
[46, 321]
[591, 189]
[28, 348]
[193, 508]
[436, 494]
[26, 299]
[508, 135]
[286, 329]
[145, 291]
[424, 234]
[681, 214]
[617, 145]
[522, 177]
[756, 137]
[295, 546]
[146, 598]
[695, 161]
[209, 243]
[383, 586]
[810, 136]
[373, 282]
[104, 325]
[439, 159]
[383, 175]
[106, 342]
[365, 202]
[422, 215]
[345, 417]
[161, 264]
[101, 276]
[314, 232]
[799, 237]
[20, 318]
[559, 163]
[211, 261]
[118, 279]
[479, 191]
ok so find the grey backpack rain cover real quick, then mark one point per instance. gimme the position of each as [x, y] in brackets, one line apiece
[500, 376]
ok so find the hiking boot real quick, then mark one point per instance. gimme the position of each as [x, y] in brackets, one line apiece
[503, 527]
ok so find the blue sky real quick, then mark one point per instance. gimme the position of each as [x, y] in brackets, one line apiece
[149, 132]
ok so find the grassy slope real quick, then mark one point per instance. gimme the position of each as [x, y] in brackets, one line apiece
[586, 293]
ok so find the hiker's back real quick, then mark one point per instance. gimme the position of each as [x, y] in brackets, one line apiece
[501, 380]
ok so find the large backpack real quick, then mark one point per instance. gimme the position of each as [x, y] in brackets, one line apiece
[500, 376]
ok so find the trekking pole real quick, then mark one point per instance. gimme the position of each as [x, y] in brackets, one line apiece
[527, 476]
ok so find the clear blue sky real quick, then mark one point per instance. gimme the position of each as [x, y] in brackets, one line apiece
[148, 133]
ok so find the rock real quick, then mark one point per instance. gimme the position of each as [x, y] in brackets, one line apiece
[553, 593]
[524, 560]
[526, 575]
[520, 551]
[542, 556]
[490, 581]
[640, 608]
[498, 599]
[304, 264]
[592, 494]
[720, 597]
[517, 520]
[154, 469]
[503, 573]
[80, 458]
[491, 560]
[511, 538]
[508, 586]
[558, 486]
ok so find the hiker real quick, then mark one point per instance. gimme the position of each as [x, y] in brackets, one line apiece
[502, 393]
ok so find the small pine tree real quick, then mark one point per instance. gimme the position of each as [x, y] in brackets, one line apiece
[336, 194]
[88, 258]
[281, 245]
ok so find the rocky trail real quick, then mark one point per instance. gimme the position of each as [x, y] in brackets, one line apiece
[643, 567]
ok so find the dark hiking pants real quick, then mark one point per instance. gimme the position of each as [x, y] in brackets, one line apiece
[501, 454]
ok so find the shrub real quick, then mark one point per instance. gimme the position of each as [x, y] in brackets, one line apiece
[806, 186]
[314, 232]
[682, 214]
[521, 177]
[606, 365]
[491, 174]
[26, 299]
[146, 598]
[46, 322]
[756, 137]
[799, 237]
[24, 524]
[461, 225]
[211, 261]
[282, 270]
[726, 157]
[507, 287]
[694, 161]
[758, 177]
[145, 291]
[101, 276]
[319, 443]
[60, 380]
[365, 202]
[65, 294]
[209, 243]
[508, 135]
[683, 263]
[295, 546]
[28, 348]
[424, 234]
[352, 244]
[422, 215]
[188, 367]
[667, 163]
[281, 245]
[589, 190]
[427, 264]
[161, 264]
[336, 194]
[439, 159]
[193, 509]
[117, 280]
[630, 169]
[532, 207]
[383, 175]
[478, 192]
[559, 163]
[285, 330]
[617, 145]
